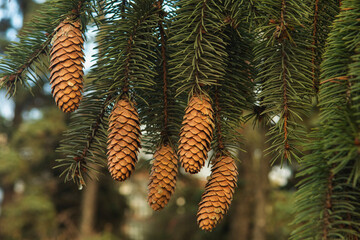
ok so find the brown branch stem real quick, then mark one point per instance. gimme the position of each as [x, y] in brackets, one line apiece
[335, 78]
[8, 80]
[328, 206]
[218, 120]
[316, 15]
[164, 63]
[94, 130]
[285, 98]
[201, 31]
[123, 6]
[125, 87]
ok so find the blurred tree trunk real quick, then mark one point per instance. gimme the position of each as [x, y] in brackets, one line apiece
[249, 206]
[89, 206]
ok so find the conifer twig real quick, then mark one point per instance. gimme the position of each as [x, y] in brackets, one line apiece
[285, 98]
[128, 54]
[316, 15]
[201, 30]
[335, 78]
[218, 120]
[95, 128]
[10, 79]
[164, 65]
[328, 205]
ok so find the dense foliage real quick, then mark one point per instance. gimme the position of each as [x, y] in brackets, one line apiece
[263, 61]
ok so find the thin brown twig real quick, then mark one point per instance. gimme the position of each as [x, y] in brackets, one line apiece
[91, 137]
[218, 120]
[164, 63]
[285, 98]
[129, 46]
[125, 88]
[335, 78]
[201, 31]
[328, 205]
[315, 84]
[10, 79]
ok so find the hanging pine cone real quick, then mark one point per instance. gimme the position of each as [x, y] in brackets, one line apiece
[218, 194]
[123, 140]
[196, 133]
[162, 177]
[66, 65]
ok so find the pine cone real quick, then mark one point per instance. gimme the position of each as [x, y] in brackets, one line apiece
[162, 177]
[66, 64]
[218, 194]
[123, 140]
[196, 133]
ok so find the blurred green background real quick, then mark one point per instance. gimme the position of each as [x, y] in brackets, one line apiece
[36, 204]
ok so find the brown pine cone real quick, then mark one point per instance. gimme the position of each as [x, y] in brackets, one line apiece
[218, 194]
[123, 140]
[66, 64]
[162, 177]
[196, 133]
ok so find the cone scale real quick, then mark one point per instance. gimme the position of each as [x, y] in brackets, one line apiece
[196, 133]
[218, 194]
[162, 177]
[123, 139]
[66, 65]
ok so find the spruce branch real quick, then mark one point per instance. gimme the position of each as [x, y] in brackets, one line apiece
[199, 61]
[323, 14]
[328, 206]
[164, 65]
[200, 31]
[34, 42]
[95, 128]
[283, 55]
[284, 78]
[332, 166]
[9, 80]
[219, 136]
[128, 54]
[84, 142]
[234, 94]
[315, 26]
[129, 34]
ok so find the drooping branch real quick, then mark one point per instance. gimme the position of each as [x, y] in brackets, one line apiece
[77, 163]
[10, 80]
[201, 30]
[284, 79]
[123, 6]
[128, 54]
[94, 130]
[328, 206]
[284, 62]
[315, 23]
[164, 64]
[198, 62]
[286, 110]
[219, 134]
[125, 87]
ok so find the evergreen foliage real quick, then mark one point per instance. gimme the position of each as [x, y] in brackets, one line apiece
[27, 59]
[331, 171]
[323, 13]
[283, 53]
[199, 38]
[262, 57]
